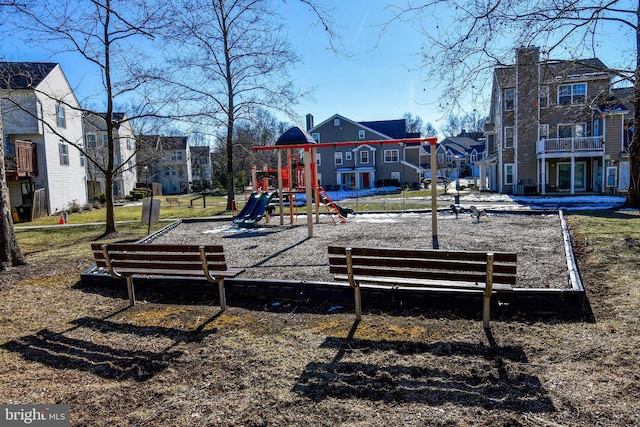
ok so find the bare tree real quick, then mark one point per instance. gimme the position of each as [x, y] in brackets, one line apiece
[233, 60]
[465, 41]
[10, 254]
[429, 130]
[473, 122]
[415, 124]
[452, 125]
[104, 33]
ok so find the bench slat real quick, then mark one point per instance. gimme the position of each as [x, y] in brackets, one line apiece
[475, 277]
[418, 284]
[425, 254]
[420, 264]
[137, 247]
[143, 264]
[177, 273]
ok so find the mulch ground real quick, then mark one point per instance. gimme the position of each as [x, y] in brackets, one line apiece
[182, 363]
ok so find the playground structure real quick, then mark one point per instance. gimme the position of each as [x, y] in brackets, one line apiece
[254, 210]
[293, 183]
[295, 140]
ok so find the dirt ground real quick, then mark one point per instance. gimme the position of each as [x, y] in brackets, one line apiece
[285, 252]
[180, 362]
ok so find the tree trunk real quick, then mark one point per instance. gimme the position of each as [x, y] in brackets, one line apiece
[230, 168]
[10, 254]
[633, 197]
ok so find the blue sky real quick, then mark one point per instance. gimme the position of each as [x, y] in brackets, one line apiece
[378, 82]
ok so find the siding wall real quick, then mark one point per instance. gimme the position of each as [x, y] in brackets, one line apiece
[349, 131]
[65, 184]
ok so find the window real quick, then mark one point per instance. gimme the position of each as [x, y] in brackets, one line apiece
[361, 134]
[473, 157]
[364, 157]
[105, 139]
[348, 155]
[91, 140]
[337, 158]
[508, 173]
[509, 98]
[508, 136]
[572, 94]
[82, 159]
[318, 159]
[336, 122]
[391, 156]
[543, 96]
[395, 176]
[128, 144]
[316, 136]
[543, 131]
[176, 155]
[61, 119]
[64, 153]
[572, 130]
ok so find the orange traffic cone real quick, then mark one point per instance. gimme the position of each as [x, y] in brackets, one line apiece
[61, 220]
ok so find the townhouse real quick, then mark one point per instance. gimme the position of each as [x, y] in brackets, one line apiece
[556, 127]
[371, 165]
[96, 147]
[42, 128]
[201, 167]
[165, 160]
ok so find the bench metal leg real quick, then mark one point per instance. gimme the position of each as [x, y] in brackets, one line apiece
[223, 298]
[357, 302]
[130, 290]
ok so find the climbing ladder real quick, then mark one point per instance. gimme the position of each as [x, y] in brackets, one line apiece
[332, 208]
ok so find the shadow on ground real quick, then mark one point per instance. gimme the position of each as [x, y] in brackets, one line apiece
[65, 350]
[491, 388]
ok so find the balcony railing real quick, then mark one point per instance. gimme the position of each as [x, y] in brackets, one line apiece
[583, 143]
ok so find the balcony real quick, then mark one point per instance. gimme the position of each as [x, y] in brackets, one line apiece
[584, 145]
[20, 159]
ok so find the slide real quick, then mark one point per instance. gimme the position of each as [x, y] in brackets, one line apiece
[248, 208]
[258, 211]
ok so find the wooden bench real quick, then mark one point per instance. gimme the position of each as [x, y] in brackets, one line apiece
[172, 200]
[126, 260]
[458, 271]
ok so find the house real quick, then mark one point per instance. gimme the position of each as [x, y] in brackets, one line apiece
[95, 139]
[42, 126]
[165, 160]
[367, 165]
[556, 127]
[460, 153]
[201, 167]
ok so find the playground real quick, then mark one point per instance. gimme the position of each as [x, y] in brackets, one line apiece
[285, 252]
